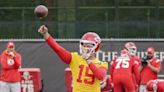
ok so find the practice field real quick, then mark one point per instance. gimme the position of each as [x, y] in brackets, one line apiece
[115, 21]
[36, 54]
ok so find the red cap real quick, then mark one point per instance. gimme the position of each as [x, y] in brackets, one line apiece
[150, 50]
[10, 44]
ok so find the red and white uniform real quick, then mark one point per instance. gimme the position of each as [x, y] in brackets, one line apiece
[122, 70]
[155, 85]
[137, 61]
[147, 74]
[132, 49]
[10, 67]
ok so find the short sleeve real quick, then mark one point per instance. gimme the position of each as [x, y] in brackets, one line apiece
[158, 63]
[74, 58]
[104, 64]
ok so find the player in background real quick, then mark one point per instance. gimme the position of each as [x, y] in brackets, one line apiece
[132, 49]
[10, 61]
[122, 69]
[155, 85]
[151, 66]
[87, 70]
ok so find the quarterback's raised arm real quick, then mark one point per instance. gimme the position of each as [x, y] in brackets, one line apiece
[64, 54]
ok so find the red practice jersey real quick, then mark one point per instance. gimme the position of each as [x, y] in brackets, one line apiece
[10, 67]
[147, 74]
[137, 61]
[122, 70]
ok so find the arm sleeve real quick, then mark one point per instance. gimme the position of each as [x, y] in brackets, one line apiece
[112, 67]
[3, 64]
[18, 60]
[111, 72]
[139, 61]
[61, 52]
[158, 64]
[136, 73]
[100, 72]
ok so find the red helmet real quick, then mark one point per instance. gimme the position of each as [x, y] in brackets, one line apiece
[131, 47]
[151, 85]
[89, 44]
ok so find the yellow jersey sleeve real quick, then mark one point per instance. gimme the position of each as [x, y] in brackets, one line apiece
[105, 65]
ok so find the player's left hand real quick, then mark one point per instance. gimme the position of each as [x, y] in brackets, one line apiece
[88, 59]
[103, 84]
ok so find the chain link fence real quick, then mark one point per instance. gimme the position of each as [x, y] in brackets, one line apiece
[109, 18]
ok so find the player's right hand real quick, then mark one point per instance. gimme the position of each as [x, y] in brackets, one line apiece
[43, 30]
[11, 54]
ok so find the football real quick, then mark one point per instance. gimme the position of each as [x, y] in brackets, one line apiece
[41, 11]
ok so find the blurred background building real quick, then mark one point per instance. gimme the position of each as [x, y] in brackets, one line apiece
[72, 18]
